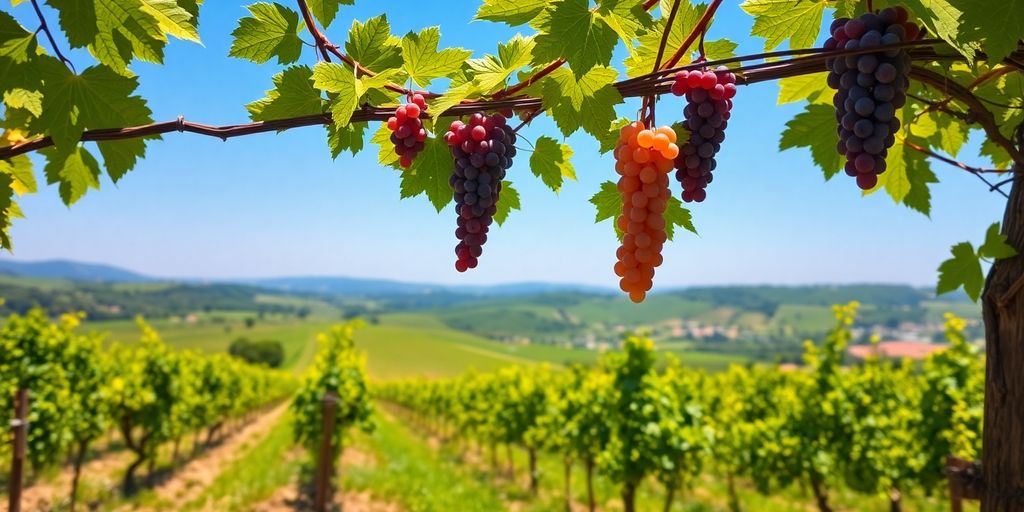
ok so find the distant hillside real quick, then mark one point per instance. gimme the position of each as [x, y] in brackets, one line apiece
[71, 270]
[351, 286]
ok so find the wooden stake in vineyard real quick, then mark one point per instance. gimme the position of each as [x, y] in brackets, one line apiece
[325, 462]
[19, 432]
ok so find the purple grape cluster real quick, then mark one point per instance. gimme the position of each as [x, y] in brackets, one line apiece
[709, 96]
[483, 151]
[870, 88]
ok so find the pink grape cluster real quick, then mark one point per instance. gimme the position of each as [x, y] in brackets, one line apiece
[709, 102]
[407, 132]
[482, 151]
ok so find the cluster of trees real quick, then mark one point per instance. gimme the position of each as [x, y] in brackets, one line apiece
[81, 388]
[265, 352]
[880, 428]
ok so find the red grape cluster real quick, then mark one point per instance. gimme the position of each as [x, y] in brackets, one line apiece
[407, 132]
[870, 88]
[709, 100]
[483, 150]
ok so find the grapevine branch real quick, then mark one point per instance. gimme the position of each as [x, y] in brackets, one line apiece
[698, 29]
[808, 61]
[978, 172]
[49, 35]
[649, 100]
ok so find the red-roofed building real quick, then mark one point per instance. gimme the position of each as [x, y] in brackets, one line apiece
[896, 349]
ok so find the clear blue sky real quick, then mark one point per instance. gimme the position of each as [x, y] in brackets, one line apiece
[276, 204]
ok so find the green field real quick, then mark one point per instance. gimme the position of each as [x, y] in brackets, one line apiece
[397, 345]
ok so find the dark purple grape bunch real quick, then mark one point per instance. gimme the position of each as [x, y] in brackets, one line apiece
[483, 150]
[708, 105]
[870, 88]
[407, 132]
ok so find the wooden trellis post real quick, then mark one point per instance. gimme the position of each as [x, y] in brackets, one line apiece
[19, 430]
[325, 464]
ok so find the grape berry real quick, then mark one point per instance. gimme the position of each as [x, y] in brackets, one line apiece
[407, 132]
[643, 159]
[483, 151]
[870, 88]
[709, 102]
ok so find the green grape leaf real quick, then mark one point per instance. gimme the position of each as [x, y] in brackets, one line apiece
[173, 19]
[815, 128]
[512, 12]
[19, 168]
[550, 162]
[325, 10]
[996, 154]
[271, 31]
[490, 72]
[945, 20]
[6, 204]
[1001, 24]
[920, 174]
[897, 177]
[423, 62]
[799, 21]
[348, 137]
[812, 88]
[995, 246]
[508, 200]
[120, 156]
[16, 43]
[293, 95]
[76, 171]
[608, 202]
[586, 101]
[641, 58]
[611, 138]
[386, 155]
[338, 80]
[627, 18]
[577, 34]
[32, 101]
[429, 174]
[963, 269]
[125, 30]
[78, 19]
[677, 215]
[453, 96]
[372, 45]
[98, 98]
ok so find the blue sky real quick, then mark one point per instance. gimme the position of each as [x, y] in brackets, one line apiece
[276, 204]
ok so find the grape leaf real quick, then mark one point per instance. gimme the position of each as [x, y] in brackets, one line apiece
[508, 200]
[338, 80]
[799, 21]
[98, 98]
[293, 95]
[386, 149]
[641, 58]
[348, 137]
[963, 269]
[611, 138]
[627, 18]
[577, 34]
[173, 19]
[19, 168]
[76, 171]
[271, 31]
[16, 43]
[815, 128]
[907, 170]
[325, 10]
[429, 174]
[608, 202]
[32, 101]
[512, 12]
[6, 202]
[945, 20]
[677, 215]
[372, 44]
[812, 88]
[78, 19]
[586, 101]
[424, 62]
[120, 156]
[995, 246]
[920, 174]
[490, 72]
[453, 96]
[550, 162]
[124, 30]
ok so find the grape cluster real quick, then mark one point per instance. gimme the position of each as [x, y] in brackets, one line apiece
[407, 132]
[708, 103]
[483, 150]
[643, 159]
[870, 87]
